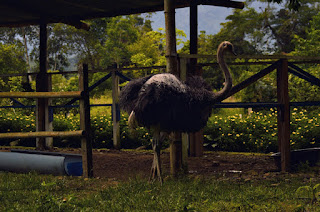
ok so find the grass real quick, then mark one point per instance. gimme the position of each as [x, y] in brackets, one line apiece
[32, 192]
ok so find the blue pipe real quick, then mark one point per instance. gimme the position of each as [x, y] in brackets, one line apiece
[44, 163]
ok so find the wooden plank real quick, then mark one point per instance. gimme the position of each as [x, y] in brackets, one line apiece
[49, 123]
[283, 115]
[196, 144]
[184, 151]
[222, 3]
[195, 139]
[193, 36]
[184, 136]
[42, 110]
[115, 111]
[96, 9]
[171, 46]
[238, 63]
[303, 74]
[172, 67]
[308, 103]
[252, 79]
[66, 94]
[246, 104]
[84, 104]
[175, 154]
[258, 57]
[42, 134]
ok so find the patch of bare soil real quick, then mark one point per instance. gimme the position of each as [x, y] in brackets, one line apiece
[123, 165]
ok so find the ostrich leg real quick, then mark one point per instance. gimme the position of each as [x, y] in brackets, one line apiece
[156, 146]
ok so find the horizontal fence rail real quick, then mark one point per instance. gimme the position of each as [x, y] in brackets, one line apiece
[246, 105]
[306, 59]
[43, 134]
[67, 94]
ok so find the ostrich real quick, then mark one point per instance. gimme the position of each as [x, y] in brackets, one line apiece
[163, 103]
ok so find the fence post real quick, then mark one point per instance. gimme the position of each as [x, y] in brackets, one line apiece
[115, 110]
[283, 115]
[84, 104]
[42, 109]
[172, 67]
[49, 123]
[184, 136]
[196, 144]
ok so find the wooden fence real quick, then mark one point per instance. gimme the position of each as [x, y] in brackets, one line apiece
[84, 133]
[283, 67]
[279, 63]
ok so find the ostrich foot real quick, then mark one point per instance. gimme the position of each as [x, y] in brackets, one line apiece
[156, 168]
[156, 165]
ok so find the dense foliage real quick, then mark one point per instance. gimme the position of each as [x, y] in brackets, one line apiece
[256, 132]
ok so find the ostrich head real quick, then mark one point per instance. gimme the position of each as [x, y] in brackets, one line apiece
[224, 47]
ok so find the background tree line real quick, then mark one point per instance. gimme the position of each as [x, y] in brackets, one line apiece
[129, 41]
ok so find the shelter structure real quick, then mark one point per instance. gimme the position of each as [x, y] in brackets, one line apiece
[35, 12]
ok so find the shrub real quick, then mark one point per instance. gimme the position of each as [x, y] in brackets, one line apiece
[258, 132]
[254, 133]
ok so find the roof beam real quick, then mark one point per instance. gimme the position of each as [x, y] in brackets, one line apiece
[160, 7]
[31, 13]
[222, 3]
[40, 17]
[75, 23]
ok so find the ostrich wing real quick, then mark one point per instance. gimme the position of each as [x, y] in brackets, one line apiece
[129, 94]
[174, 106]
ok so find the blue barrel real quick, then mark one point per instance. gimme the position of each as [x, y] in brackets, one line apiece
[23, 161]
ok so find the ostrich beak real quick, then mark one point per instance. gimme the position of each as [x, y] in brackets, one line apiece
[231, 49]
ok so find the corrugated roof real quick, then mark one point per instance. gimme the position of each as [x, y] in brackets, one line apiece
[30, 12]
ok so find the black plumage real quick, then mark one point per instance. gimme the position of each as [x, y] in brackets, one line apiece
[166, 101]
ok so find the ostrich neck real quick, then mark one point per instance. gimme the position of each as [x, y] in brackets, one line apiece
[220, 95]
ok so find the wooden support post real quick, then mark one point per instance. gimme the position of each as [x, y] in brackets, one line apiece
[49, 123]
[196, 139]
[283, 115]
[115, 110]
[86, 142]
[171, 46]
[193, 35]
[42, 110]
[176, 154]
[172, 67]
[184, 136]
[196, 144]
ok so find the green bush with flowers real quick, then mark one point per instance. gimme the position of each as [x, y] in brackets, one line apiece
[256, 132]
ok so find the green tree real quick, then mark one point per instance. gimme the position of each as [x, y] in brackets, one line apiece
[122, 32]
[11, 61]
[149, 50]
[300, 89]
[309, 45]
[292, 4]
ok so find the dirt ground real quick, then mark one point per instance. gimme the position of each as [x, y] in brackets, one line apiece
[128, 164]
[123, 165]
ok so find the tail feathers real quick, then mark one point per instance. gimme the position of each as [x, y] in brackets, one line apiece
[132, 121]
[129, 94]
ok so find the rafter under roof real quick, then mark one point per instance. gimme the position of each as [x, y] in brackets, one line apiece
[15, 13]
